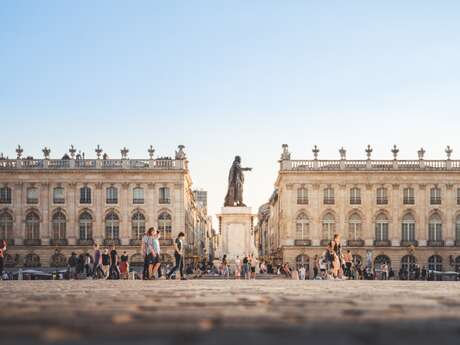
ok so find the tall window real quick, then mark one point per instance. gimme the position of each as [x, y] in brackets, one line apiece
[408, 228]
[435, 228]
[354, 227]
[408, 263]
[6, 226]
[138, 226]
[85, 195]
[435, 263]
[382, 196]
[302, 227]
[355, 196]
[457, 228]
[435, 196]
[408, 196]
[164, 225]
[32, 195]
[302, 196]
[32, 226]
[112, 195]
[381, 227]
[328, 226]
[458, 196]
[138, 195]
[5, 195]
[86, 226]
[164, 196]
[112, 226]
[329, 198]
[59, 226]
[58, 195]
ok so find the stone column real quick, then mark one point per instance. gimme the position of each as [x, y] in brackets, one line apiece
[72, 233]
[19, 216]
[395, 226]
[99, 202]
[125, 223]
[45, 231]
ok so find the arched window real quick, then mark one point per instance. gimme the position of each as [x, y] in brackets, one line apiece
[408, 228]
[408, 263]
[302, 196]
[32, 226]
[354, 227]
[32, 195]
[5, 195]
[165, 225]
[303, 260]
[164, 196]
[59, 226]
[138, 195]
[112, 226]
[138, 225]
[6, 226]
[435, 228]
[435, 263]
[85, 195]
[328, 226]
[112, 195]
[86, 226]
[381, 227]
[58, 195]
[32, 260]
[457, 228]
[381, 260]
[302, 227]
[58, 260]
[355, 196]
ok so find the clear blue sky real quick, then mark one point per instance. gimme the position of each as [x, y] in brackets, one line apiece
[230, 77]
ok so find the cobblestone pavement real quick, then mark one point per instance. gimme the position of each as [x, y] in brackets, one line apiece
[229, 312]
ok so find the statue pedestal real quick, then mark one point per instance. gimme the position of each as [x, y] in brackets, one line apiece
[236, 225]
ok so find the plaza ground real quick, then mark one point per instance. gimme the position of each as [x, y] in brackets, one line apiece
[229, 312]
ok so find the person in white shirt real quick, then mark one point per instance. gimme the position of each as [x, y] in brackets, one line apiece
[302, 272]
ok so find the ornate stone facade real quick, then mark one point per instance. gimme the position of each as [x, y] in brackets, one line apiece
[404, 211]
[52, 207]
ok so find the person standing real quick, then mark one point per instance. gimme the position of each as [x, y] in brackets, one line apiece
[156, 262]
[124, 265]
[302, 272]
[253, 263]
[72, 265]
[237, 268]
[246, 267]
[179, 256]
[2, 257]
[224, 267]
[148, 252]
[106, 263]
[97, 267]
[315, 266]
[114, 271]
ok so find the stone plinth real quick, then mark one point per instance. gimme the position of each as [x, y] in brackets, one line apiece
[236, 228]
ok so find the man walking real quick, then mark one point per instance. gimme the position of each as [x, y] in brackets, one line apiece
[179, 256]
[148, 252]
[156, 262]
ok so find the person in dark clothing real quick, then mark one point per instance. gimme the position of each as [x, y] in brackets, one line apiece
[179, 256]
[2, 257]
[106, 263]
[114, 271]
[73, 260]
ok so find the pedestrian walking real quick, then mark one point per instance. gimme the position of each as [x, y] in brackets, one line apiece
[124, 265]
[302, 272]
[114, 272]
[72, 263]
[179, 257]
[106, 263]
[156, 262]
[148, 252]
[2, 257]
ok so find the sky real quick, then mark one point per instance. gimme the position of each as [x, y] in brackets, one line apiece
[228, 78]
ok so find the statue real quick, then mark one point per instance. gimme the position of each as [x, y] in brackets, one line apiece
[235, 184]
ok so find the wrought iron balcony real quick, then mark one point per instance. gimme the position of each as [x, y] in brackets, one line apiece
[85, 200]
[164, 201]
[32, 200]
[382, 200]
[36, 242]
[329, 201]
[324, 243]
[111, 201]
[432, 243]
[355, 243]
[407, 243]
[5, 201]
[85, 242]
[58, 200]
[60, 242]
[302, 201]
[138, 201]
[382, 243]
[302, 243]
[409, 200]
[355, 201]
[111, 242]
[135, 242]
[435, 201]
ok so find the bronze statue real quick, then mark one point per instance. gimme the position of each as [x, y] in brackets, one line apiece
[235, 184]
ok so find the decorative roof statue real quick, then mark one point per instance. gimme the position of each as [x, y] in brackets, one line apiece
[72, 151]
[449, 152]
[46, 152]
[151, 151]
[421, 153]
[234, 195]
[315, 152]
[98, 151]
[180, 154]
[369, 151]
[124, 153]
[286, 155]
[19, 151]
[343, 153]
[395, 152]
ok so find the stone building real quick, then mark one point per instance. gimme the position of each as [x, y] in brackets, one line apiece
[52, 207]
[400, 211]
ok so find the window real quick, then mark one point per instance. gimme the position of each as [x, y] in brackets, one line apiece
[457, 228]
[6, 226]
[32, 226]
[381, 228]
[59, 226]
[435, 228]
[435, 263]
[302, 227]
[381, 260]
[112, 226]
[382, 196]
[303, 261]
[458, 196]
[32, 260]
[138, 195]
[164, 225]
[408, 263]
[86, 226]
[85, 195]
[138, 226]
[408, 196]
[302, 196]
[355, 196]
[58, 195]
[328, 226]
[354, 227]
[5, 195]
[164, 196]
[408, 228]
[112, 195]
[329, 198]
[32, 195]
[435, 196]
